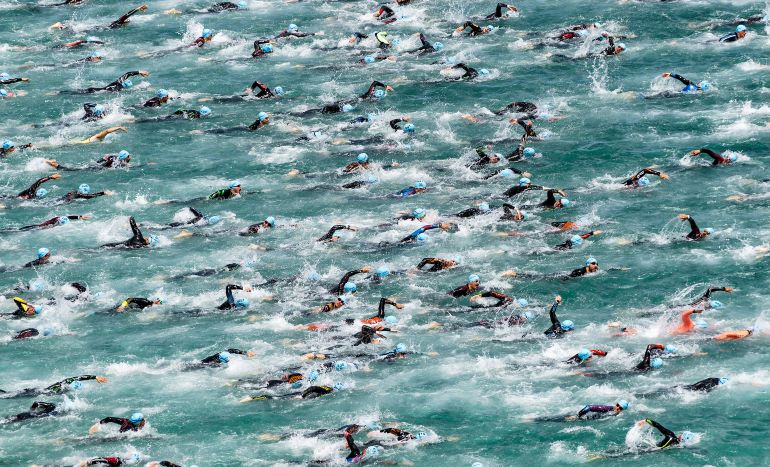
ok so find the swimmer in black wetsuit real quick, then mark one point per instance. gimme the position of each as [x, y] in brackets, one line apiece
[436, 264]
[651, 351]
[254, 229]
[32, 191]
[717, 158]
[669, 437]
[705, 385]
[117, 85]
[368, 335]
[222, 6]
[57, 388]
[55, 221]
[591, 267]
[330, 237]
[208, 272]
[640, 179]
[475, 29]
[339, 289]
[137, 303]
[558, 329]
[37, 410]
[524, 185]
[464, 290]
[470, 73]
[502, 299]
[426, 47]
[123, 20]
[136, 241]
[231, 303]
[498, 14]
[695, 232]
[576, 240]
[705, 299]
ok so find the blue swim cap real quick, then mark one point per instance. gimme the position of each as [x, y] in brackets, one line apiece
[621, 45]
[484, 207]
[41, 192]
[584, 354]
[154, 240]
[591, 260]
[212, 220]
[643, 181]
[206, 33]
[399, 348]
[344, 299]
[48, 332]
[371, 179]
[233, 184]
[716, 304]
[565, 202]
[382, 271]
[372, 451]
[623, 404]
[709, 230]
[576, 240]
[224, 357]
[339, 386]
[8, 144]
[733, 157]
[76, 385]
[522, 301]
[270, 220]
[484, 71]
[339, 366]
[205, 111]
[491, 27]
[242, 4]
[242, 303]
[369, 59]
[529, 152]
[363, 157]
[41, 252]
[347, 108]
[162, 93]
[418, 213]
[740, 28]
[312, 376]
[63, 220]
[524, 181]
[474, 278]
[701, 323]
[261, 116]
[507, 173]
[687, 437]
[670, 348]
[4, 76]
[705, 86]
[266, 48]
[98, 109]
[422, 237]
[84, 188]
[127, 83]
[420, 435]
[438, 45]
[293, 27]
[350, 287]
[278, 91]
[123, 155]
[409, 128]
[380, 93]
[313, 276]
[567, 325]
[656, 363]
[391, 319]
[136, 418]
[723, 380]
[3, 93]
[420, 184]
[529, 315]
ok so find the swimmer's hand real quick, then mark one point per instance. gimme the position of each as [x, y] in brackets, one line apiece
[94, 429]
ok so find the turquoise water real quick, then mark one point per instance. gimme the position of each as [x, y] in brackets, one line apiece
[473, 390]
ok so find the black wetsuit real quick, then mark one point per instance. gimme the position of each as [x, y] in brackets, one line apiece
[652, 349]
[555, 330]
[125, 424]
[475, 28]
[137, 240]
[372, 88]
[198, 217]
[73, 195]
[90, 116]
[53, 222]
[114, 86]
[229, 304]
[705, 385]
[502, 299]
[436, 264]
[26, 334]
[340, 288]
[462, 291]
[634, 181]
[695, 233]
[470, 73]
[718, 158]
[124, 19]
[222, 6]
[264, 91]
[213, 360]
[426, 48]
[330, 234]
[137, 303]
[669, 437]
[568, 244]
[498, 12]
[706, 297]
[30, 192]
[515, 190]
[37, 410]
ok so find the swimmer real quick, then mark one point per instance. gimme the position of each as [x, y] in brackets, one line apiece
[651, 359]
[591, 267]
[9, 147]
[718, 159]
[83, 192]
[34, 191]
[734, 335]
[464, 290]
[344, 285]
[55, 222]
[586, 356]
[640, 179]
[330, 237]
[740, 33]
[137, 240]
[137, 303]
[412, 237]
[118, 85]
[498, 14]
[576, 240]
[99, 136]
[695, 232]
[558, 329]
[24, 309]
[669, 437]
[380, 316]
[254, 229]
[233, 189]
[231, 303]
[43, 257]
[437, 264]
[475, 29]
[134, 423]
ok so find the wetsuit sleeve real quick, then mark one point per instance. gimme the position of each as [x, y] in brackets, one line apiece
[116, 420]
[137, 234]
[237, 351]
[355, 451]
[717, 157]
[168, 464]
[372, 87]
[128, 75]
[198, 214]
[424, 41]
[694, 230]
[662, 429]
[229, 292]
[552, 315]
[341, 286]
[384, 301]
[122, 20]
[703, 385]
[330, 234]
[681, 79]
[460, 291]
[394, 123]
[33, 189]
[138, 301]
[426, 261]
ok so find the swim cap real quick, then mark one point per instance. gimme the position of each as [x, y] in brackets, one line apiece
[591, 260]
[490, 27]
[529, 315]
[420, 184]
[529, 152]
[733, 157]
[391, 319]
[123, 155]
[409, 128]
[136, 418]
[224, 357]
[278, 90]
[484, 207]
[740, 28]
[643, 181]
[266, 48]
[127, 83]
[522, 302]
[716, 304]
[135, 458]
[687, 437]
[369, 59]
[709, 230]
[63, 220]
[232, 185]
[701, 323]
[339, 386]
[382, 271]
[347, 108]
[524, 181]
[312, 376]
[418, 213]
[242, 4]
[205, 111]
[344, 299]
[38, 309]
[313, 276]
[3, 92]
[293, 27]
[669, 348]
[372, 451]
[212, 220]
[380, 93]
[474, 278]
[656, 363]
[154, 240]
[621, 45]
[420, 435]
[567, 325]
[339, 366]
[98, 109]
[623, 404]
[41, 192]
[270, 220]
[458, 259]
[584, 354]
[371, 179]
[92, 39]
[350, 287]
[48, 332]
[723, 380]
[438, 45]
[162, 93]
[565, 202]
[484, 71]
[206, 33]
[84, 189]
[422, 237]
[705, 86]
[363, 157]
[261, 116]
[524, 214]
[507, 173]
[477, 464]
[4, 76]
[41, 252]
[242, 303]
[576, 240]
[399, 348]
[76, 385]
